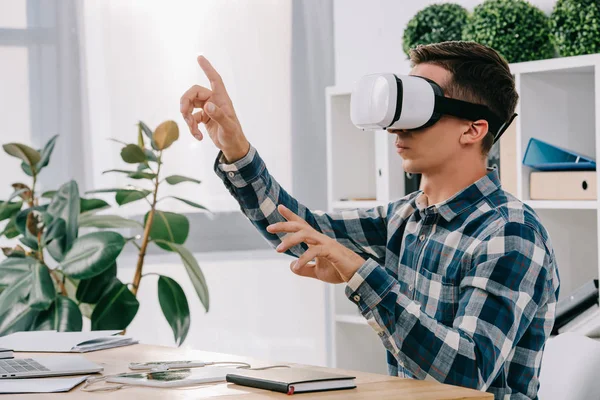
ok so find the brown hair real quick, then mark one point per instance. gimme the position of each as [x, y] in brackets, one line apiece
[479, 75]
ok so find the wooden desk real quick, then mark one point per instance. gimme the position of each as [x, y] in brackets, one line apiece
[369, 386]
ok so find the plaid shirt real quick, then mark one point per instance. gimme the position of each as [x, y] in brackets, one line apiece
[466, 297]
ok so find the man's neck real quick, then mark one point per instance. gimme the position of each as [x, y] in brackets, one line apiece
[443, 184]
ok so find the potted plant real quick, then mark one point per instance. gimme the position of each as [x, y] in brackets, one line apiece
[55, 277]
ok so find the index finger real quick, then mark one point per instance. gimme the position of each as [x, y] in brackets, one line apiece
[216, 83]
[288, 214]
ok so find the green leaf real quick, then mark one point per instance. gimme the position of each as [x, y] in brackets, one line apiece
[49, 194]
[89, 206]
[46, 153]
[42, 288]
[104, 190]
[146, 130]
[62, 316]
[92, 254]
[125, 196]
[188, 202]
[7, 203]
[133, 174]
[26, 168]
[19, 317]
[24, 152]
[148, 133]
[193, 270]
[150, 155]
[142, 175]
[140, 137]
[10, 230]
[107, 221]
[173, 228]
[175, 307]
[8, 209]
[14, 269]
[121, 171]
[165, 134]
[115, 309]
[175, 179]
[56, 230]
[14, 252]
[18, 292]
[90, 290]
[133, 154]
[29, 242]
[66, 205]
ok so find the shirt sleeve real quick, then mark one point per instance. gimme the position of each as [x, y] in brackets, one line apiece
[258, 194]
[509, 281]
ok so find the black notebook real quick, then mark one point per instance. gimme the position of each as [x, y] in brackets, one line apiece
[292, 380]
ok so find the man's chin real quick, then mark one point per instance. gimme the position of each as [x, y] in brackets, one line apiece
[410, 166]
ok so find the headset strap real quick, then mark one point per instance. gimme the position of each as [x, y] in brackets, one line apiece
[471, 111]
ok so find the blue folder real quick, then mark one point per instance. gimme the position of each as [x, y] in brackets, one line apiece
[547, 157]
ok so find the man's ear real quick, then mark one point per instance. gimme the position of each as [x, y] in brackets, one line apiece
[474, 132]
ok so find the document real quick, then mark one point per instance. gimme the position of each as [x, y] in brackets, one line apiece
[40, 385]
[64, 342]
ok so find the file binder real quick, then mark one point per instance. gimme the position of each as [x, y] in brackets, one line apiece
[547, 157]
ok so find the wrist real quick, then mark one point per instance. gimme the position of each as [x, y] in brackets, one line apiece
[355, 264]
[237, 152]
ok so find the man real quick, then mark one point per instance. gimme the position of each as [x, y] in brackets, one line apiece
[459, 279]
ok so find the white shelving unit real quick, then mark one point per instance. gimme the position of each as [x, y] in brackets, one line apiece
[559, 103]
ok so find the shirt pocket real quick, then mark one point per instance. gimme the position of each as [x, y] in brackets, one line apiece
[437, 295]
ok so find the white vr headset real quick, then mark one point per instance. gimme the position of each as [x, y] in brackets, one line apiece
[388, 101]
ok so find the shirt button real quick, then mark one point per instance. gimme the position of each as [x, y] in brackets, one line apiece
[356, 297]
[410, 287]
[231, 174]
[422, 237]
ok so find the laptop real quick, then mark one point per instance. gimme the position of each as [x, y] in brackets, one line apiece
[46, 366]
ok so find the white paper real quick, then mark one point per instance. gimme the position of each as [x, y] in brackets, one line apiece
[40, 385]
[49, 341]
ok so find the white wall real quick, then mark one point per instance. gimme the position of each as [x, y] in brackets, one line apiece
[258, 308]
[140, 57]
[368, 34]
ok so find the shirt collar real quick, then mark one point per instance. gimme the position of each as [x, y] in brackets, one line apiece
[464, 199]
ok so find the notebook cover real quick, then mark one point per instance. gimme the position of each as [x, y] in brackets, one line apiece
[280, 379]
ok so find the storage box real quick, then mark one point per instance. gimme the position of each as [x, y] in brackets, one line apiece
[563, 185]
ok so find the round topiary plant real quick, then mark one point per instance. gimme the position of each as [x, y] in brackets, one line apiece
[575, 26]
[433, 24]
[514, 28]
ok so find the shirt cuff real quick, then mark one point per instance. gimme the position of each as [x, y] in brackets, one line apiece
[243, 171]
[369, 285]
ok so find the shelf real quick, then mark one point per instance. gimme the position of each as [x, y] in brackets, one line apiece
[562, 204]
[582, 64]
[338, 205]
[351, 319]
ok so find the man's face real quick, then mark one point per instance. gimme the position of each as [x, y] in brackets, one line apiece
[427, 150]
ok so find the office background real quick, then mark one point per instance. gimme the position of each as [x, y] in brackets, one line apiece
[89, 70]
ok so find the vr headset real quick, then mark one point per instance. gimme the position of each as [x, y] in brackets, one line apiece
[388, 101]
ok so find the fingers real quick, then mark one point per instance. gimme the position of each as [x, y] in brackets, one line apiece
[309, 255]
[310, 238]
[288, 214]
[307, 270]
[216, 113]
[194, 97]
[287, 227]
[216, 83]
[201, 117]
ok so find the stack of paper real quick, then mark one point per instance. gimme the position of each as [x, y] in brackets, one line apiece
[64, 342]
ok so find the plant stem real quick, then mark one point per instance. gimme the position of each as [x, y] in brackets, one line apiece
[32, 199]
[61, 285]
[140, 263]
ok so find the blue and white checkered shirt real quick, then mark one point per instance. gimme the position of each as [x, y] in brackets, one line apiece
[466, 297]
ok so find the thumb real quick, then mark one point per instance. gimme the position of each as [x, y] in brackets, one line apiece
[216, 113]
